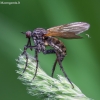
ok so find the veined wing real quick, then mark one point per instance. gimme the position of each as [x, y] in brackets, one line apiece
[68, 31]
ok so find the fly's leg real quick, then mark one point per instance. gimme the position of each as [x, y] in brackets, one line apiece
[26, 47]
[59, 61]
[36, 56]
[24, 52]
[54, 66]
[51, 51]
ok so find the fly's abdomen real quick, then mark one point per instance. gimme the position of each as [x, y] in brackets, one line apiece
[58, 46]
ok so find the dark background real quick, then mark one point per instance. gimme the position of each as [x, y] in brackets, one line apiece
[82, 63]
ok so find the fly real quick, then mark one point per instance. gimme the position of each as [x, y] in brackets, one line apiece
[42, 38]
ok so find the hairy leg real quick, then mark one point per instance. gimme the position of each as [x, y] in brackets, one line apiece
[51, 51]
[24, 52]
[59, 61]
[36, 56]
[54, 66]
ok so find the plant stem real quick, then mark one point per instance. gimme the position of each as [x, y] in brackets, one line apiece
[44, 86]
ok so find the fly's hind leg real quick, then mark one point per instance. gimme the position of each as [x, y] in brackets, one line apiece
[59, 59]
[54, 66]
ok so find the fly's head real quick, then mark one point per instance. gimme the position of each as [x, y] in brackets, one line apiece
[28, 34]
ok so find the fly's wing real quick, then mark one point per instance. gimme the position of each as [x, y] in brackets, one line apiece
[68, 31]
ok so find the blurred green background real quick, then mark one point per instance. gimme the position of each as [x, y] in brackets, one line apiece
[82, 63]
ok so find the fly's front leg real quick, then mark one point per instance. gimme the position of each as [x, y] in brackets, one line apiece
[26, 46]
[24, 52]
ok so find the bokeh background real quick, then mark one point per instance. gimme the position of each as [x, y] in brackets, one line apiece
[82, 63]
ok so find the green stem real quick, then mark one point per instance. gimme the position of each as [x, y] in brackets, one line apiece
[44, 86]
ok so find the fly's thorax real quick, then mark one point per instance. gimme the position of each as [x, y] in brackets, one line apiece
[38, 33]
[37, 36]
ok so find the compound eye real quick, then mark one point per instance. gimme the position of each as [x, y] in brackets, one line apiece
[28, 34]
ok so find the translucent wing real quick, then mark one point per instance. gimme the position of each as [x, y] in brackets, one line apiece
[69, 31]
